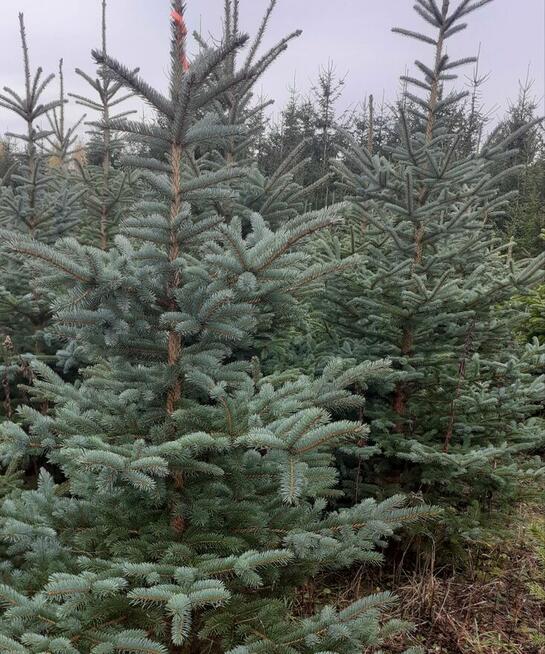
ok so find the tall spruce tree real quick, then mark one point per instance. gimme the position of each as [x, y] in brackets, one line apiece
[429, 293]
[37, 199]
[526, 217]
[109, 189]
[183, 496]
[275, 191]
[62, 142]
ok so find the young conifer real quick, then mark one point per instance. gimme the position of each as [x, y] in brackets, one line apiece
[39, 203]
[275, 195]
[184, 497]
[63, 140]
[109, 189]
[38, 199]
[429, 293]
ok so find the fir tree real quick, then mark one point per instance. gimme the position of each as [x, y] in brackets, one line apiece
[184, 495]
[309, 128]
[7, 160]
[286, 158]
[327, 92]
[38, 202]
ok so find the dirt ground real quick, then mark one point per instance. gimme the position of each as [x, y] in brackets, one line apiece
[489, 608]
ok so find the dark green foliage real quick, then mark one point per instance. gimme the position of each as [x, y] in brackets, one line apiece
[309, 128]
[526, 215]
[531, 306]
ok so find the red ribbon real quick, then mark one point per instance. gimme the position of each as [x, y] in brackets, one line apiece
[180, 22]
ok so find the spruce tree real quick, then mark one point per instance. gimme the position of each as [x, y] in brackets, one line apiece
[38, 202]
[526, 216]
[429, 292]
[62, 140]
[38, 199]
[327, 92]
[109, 189]
[274, 191]
[183, 496]
[308, 132]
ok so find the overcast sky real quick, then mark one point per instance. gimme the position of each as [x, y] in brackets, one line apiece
[354, 34]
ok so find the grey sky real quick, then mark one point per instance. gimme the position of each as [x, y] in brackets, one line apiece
[354, 34]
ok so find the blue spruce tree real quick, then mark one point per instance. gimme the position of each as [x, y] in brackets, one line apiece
[454, 418]
[183, 496]
[109, 188]
[37, 199]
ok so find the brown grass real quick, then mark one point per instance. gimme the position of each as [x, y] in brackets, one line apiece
[487, 609]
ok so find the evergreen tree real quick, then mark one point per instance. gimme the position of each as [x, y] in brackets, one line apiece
[310, 127]
[62, 141]
[108, 189]
[274, 191]
[525, 219]
[371, 127]
[184, 496]
[7, 160]
[38, 202]
[474, 113]
[286, 157]
[429, 293]
[327, 92]
[532, 307]
[37, 199]
[283, 135]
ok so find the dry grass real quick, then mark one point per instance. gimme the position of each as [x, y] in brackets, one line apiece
[487, 610]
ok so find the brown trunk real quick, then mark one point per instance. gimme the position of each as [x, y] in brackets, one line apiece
[401, 393]
[104, 212]
[8, 348]
[174, 339]
[457, 392]
[174, 343]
